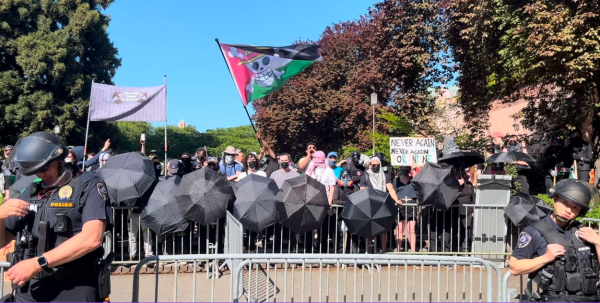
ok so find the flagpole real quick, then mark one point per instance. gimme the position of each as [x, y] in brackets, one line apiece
[87, 129]
[166, 123]
[232, 78]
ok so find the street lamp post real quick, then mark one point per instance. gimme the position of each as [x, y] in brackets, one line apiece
[373, 104]
[57, 129]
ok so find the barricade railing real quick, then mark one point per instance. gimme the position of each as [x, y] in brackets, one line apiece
[3, 267]
[322, 277]
[590, 222]
[420, 230]
[516, 288]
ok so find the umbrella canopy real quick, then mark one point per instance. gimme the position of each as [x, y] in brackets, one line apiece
[369, 213]
[523, 209]
[127, 176]
[436, 185]
[462, 159]
[203, 195]
[302, 204]
[18, 187]
[510, 157]
[162, 213]
[254, 206]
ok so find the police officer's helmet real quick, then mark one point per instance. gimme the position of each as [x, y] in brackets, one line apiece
[577, 192]
[36, 151]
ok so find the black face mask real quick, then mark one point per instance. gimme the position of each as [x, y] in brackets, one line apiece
[213, 166]
[252, 165]
[186, 160]
[490, 149]
[375, 168]
[285, 165]
[512, 143]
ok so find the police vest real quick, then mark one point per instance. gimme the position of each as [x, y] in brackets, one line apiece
[576, 273]
[62, 209]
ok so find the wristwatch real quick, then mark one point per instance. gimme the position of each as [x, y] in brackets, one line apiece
[43, 262]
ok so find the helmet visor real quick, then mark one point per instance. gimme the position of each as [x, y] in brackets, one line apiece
[32, 153]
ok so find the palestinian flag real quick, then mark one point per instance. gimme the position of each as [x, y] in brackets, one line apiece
[260, 70]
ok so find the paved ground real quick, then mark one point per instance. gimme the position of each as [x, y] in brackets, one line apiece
[333, 284]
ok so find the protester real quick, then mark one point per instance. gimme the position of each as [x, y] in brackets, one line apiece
[175, 168]
[71, 163]
[250, 163]
[157, 166]
[285, 173]
[229, 167]
[357, 165]
[513, 145]
[376, 179]
[186, 160]
[267, 158]
[466, 197]
[407, 218]
[306, 161]
[497, 140]
[213, 163]
[103, 158]
[69, 260]
[344, 188]
[240, 155]
[582, 154]
[385, 165]
[332, 162]
[552, 162]
[9, 176]
[201, 155]
[90, 156]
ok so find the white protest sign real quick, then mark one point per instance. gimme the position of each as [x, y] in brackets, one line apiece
[405, 151]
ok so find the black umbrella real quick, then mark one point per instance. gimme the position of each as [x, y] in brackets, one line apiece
[18, 187]
[510, 157]
[436, 185]
[302, 204]
[523, 209]
[254, 206]
[462, 159]
[369, 213]
[127, 176]
[162, 213]
[203, 195]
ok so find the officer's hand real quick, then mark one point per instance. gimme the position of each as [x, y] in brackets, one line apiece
[589, 235]
[553, 251]
[14, 207]
[23, 271]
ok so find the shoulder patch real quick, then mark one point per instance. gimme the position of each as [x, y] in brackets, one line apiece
[102, 190]
[524, 239]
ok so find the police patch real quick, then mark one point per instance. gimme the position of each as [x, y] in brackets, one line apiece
[102, 190]
[524, 239]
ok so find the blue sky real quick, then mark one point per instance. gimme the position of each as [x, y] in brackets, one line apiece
[176, 38]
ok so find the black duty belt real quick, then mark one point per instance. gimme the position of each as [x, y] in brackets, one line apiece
[66, 273]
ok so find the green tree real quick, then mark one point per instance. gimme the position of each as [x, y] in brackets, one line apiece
[389, 125]
[241, 137]
[50, 51]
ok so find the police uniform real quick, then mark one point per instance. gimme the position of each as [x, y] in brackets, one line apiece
[65, 209]
[569, 278]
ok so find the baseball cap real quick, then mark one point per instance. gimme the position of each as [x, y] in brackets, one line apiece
[8, 147]
[332, 154]
[174, 166]
[213, 159]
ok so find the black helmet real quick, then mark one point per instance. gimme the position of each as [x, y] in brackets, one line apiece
[576, 192]
[36, 151]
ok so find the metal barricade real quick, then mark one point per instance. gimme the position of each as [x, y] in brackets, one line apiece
[590, 222]
[3, 267]
[515, 288]
[321, 277]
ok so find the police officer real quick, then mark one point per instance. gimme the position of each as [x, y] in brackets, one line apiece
[559, 254]
[60, 223]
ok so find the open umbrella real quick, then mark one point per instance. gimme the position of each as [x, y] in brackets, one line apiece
[369, 213]
[17, 188]
[254, 206]
[302, 204]
[436, 185]
[510, 157]
[162, 213]
[127, 176]
[462, 159]
[523, 209]
[203, 196]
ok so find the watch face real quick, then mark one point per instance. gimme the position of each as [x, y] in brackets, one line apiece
[42, 261]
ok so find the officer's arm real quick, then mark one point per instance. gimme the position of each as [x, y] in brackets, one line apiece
[523, 260]
[88, 240]
[526, 266]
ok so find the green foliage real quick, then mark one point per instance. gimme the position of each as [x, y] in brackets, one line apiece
[241, 137]
[546, 199]
[389, 124]
[511, 170]
[50, 51]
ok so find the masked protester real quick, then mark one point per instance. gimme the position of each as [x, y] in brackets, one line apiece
[251, 166]
[319, 171]
[558, 252]
[344, 188]
[201, 154]
[332, 163]
[407, 218]
[581, 152]
[186, 160]
[213, 163]
[229, 167]
[71, 163]
[357, 165]
[285, 172]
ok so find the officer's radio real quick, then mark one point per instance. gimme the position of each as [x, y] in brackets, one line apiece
[60, 226]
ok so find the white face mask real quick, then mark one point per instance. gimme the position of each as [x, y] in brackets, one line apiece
[68, 160]
[229, 159]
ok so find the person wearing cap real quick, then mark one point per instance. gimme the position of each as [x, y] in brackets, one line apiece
[332, 162]
[59, 225]
[212, 163]
[229, 167]
[558, 252]
[497, 140]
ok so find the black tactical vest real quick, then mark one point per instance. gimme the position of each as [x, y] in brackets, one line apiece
[63, 206]
[575, 273]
